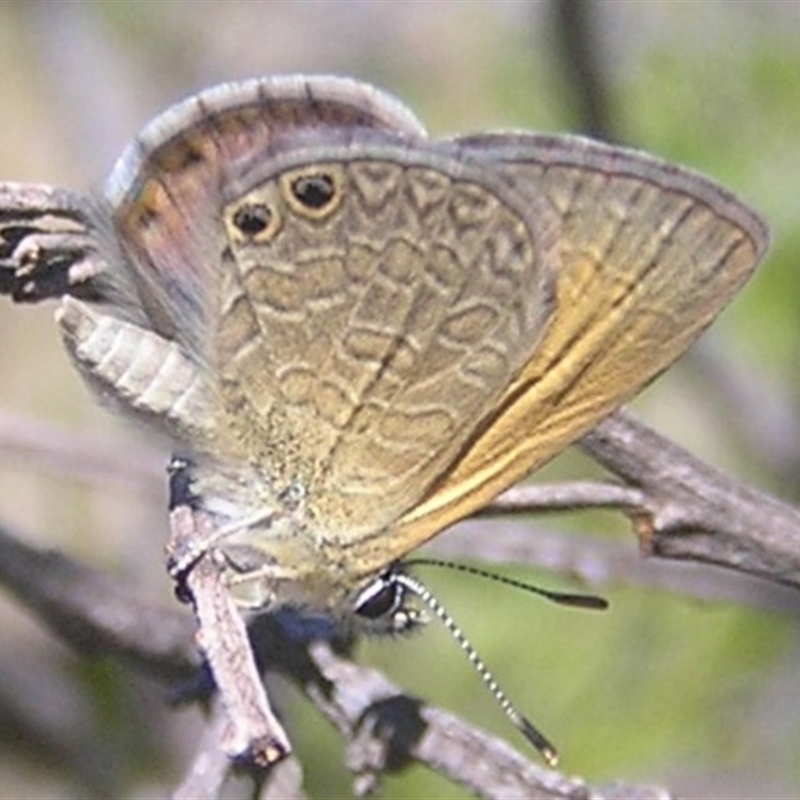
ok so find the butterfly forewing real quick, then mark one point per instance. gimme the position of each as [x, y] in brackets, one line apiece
[649, 255]
[166, 189]
[393, 329]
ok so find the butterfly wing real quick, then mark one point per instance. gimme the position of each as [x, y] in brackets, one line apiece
[361, 340]
[166, 189]
[365, 451]
[649, 255]
[157, 237]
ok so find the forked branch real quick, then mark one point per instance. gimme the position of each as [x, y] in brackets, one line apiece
[681, 509]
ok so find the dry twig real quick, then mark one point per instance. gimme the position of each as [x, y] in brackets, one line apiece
[681, 509]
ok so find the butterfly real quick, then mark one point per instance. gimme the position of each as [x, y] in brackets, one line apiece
[356, 335]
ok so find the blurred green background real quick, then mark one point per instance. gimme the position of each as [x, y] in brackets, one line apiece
[699, 694]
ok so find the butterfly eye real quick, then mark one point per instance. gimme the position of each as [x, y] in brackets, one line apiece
[313, 192]
[252, 221]
[379, 599]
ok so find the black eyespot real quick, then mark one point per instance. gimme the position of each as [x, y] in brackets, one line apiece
[314, 191]
[252, 218]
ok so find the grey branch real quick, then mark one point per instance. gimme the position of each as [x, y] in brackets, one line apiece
[383, 728]
[691, 511]
[681, 509]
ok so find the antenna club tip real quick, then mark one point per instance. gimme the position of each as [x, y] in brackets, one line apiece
[535, 737]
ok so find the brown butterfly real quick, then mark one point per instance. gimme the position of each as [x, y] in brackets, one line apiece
[357, 335]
